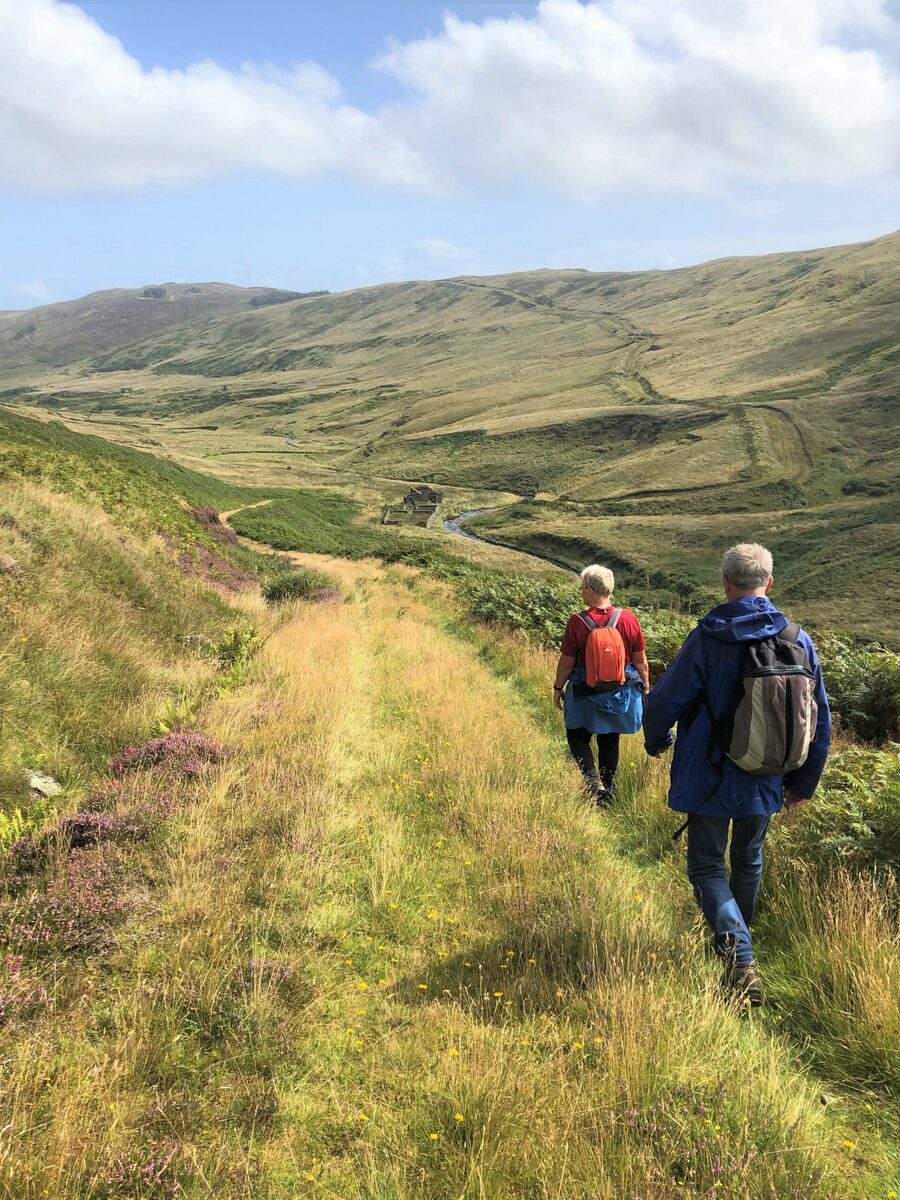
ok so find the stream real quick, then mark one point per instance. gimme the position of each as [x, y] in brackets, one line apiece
[453, 524]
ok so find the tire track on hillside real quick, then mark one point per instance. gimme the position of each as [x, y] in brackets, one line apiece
[795, 429]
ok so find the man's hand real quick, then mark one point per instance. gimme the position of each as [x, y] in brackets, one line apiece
[559, 698]
[792, 799]
[670, 742]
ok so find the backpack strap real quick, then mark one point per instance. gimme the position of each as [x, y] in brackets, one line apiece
[588, 620]
[614, 619]
[791, 632]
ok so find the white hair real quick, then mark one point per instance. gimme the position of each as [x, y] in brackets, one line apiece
[599, 579]
[747, 565]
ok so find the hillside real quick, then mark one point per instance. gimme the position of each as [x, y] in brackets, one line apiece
[291, 931]
[648, 414]
[54, 335]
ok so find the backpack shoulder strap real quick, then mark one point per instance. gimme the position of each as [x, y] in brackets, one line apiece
[588, 620]
[791, 632]
[613, 619]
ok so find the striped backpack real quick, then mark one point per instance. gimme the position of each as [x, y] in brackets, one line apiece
[772, 719]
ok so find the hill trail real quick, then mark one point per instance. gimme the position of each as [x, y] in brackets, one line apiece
[387, 951]
[490, 990]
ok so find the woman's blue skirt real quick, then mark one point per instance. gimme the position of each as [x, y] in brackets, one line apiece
[620, 711]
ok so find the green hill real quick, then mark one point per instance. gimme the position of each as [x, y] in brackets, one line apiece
[651, 415]
[56, 334]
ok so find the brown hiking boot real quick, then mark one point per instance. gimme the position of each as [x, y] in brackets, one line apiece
[742, 985]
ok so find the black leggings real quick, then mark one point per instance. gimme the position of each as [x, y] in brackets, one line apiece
[607, 755]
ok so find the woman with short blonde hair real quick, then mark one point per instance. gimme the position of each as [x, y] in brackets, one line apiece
[604, 714]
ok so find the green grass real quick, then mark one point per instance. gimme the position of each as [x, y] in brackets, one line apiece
[383, 949]
[826, 933]
[104, 639]
[418, 967]
[673, 407]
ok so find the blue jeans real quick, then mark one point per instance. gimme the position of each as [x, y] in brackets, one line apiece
[727, 904]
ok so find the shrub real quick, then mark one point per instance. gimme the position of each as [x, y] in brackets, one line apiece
[855, 816]
[237, 646]
[148, 1170]
[80, 904]
[182, 754]
[296, 585]
[863, 684]
[20, 996]
[90, 828]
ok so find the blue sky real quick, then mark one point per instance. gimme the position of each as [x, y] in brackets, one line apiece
[600, 135]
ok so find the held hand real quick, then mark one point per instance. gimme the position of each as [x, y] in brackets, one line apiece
[559, 699]
[670, 742]
[792, 800]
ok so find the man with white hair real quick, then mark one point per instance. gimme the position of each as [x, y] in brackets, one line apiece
[754, 728]
[604, 711]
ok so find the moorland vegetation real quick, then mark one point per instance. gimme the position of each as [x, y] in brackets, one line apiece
[293, 926]
[654, 415]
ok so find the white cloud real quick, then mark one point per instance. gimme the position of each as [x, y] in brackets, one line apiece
[440, 251]
[77, 111]
[576, 98]
[655, 94]
[34, 291]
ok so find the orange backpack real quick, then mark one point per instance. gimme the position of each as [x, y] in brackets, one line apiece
[604, 653]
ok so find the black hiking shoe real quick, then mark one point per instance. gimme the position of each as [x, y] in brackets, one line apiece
[595, 790]
[742, 985]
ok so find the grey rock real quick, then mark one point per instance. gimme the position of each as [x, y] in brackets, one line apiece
[42, 783]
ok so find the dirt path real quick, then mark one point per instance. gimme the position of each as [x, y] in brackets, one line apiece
[224, 517]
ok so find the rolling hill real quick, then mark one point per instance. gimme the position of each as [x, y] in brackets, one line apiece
[57, 334]
[645, 416]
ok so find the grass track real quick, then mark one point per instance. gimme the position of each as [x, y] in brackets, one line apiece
[390, 954]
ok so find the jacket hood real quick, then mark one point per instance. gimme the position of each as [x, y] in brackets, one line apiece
[744, 620]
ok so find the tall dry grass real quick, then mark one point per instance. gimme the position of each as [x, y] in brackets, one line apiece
[388, 952]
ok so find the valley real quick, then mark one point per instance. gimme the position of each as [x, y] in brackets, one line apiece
[647, 419]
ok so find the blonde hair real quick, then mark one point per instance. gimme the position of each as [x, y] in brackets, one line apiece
[747, 565]
[599, 579]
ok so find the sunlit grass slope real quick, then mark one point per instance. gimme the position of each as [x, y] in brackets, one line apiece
[102, 636]
[387, 951]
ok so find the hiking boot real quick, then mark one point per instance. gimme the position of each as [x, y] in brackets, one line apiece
[742, 984]
[595, 790]
[601, 797]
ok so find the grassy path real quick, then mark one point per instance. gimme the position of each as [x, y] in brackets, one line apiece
[390, 954]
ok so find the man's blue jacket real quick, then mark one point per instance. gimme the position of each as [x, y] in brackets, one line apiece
[709, 662]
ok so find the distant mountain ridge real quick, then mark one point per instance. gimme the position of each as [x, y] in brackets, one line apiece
[54, 335]
[649, 415]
